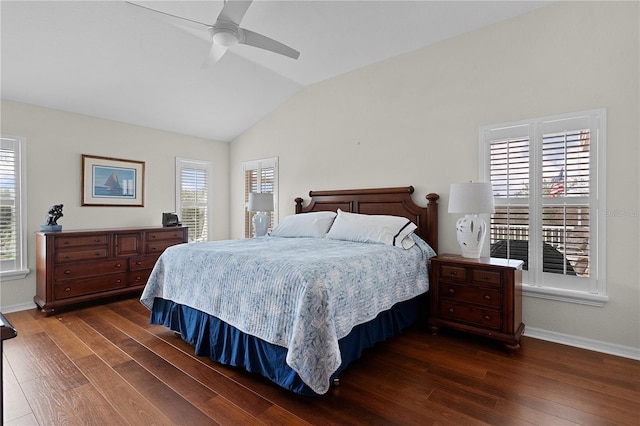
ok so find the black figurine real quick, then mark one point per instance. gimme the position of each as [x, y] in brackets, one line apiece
[55, 213]
[51, 221]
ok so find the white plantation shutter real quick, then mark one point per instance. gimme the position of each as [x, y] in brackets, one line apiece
[547, 185]
[260, 176]
[192, 197]
[13, 239]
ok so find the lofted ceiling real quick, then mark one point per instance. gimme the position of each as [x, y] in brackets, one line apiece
[112, 60]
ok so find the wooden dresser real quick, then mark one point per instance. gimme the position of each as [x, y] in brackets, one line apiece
[78, 266]
[481, 296]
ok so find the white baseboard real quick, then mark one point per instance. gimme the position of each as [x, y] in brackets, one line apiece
[581, 342]
[16, 308]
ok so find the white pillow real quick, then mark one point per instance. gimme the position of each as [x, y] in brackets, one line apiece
[364, 228]
[314, 224]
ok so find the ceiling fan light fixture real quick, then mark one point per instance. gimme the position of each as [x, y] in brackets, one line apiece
[224, 37]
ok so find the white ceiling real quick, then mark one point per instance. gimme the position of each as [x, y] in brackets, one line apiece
[112, 60]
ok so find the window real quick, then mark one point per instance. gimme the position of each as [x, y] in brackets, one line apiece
[260, 176]
[192, 197]
[548, 182]
[13, 238]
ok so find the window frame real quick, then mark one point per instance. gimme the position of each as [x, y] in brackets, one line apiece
[19, 268]
[537, 283]
[183, 163]
[258, 165]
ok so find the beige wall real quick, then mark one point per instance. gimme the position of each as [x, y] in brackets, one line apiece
[55, 142]
[414, 120]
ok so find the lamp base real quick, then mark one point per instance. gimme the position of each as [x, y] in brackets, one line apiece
[260, 224]
[471, 231]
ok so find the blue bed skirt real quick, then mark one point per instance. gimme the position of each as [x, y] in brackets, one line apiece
[225, 344]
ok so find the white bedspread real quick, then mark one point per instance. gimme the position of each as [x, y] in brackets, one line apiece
[300, 293]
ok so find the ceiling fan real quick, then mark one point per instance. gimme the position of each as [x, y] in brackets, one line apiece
[226, 32]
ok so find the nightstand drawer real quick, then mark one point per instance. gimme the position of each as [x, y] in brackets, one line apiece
[482, 276]
[480, 296]
[472, 315]
[453, 273]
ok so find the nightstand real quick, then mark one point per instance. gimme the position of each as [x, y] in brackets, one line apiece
[481, 296]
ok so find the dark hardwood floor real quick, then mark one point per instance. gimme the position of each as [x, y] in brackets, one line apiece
[105, 365]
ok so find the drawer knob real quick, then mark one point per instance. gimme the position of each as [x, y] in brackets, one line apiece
[153, 236]
[451, 291]
[67, 272]
[118, 265]
[138, 278]
[97, 240]
[68, 289]
[66, 242]
[451, 310]
[98, 254]
[454, 273]
[487, 297]
[67, 257]
[139, 263]
[487, 317]
[118, 281]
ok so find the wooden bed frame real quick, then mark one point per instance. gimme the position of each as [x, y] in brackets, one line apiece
[388, 201]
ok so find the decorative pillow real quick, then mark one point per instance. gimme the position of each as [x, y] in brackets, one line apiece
[314, 224]
[364, 228]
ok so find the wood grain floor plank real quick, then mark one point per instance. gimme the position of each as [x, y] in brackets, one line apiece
[165, 399]
[123, 396]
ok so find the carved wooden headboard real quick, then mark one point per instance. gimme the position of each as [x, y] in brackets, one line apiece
[389, 201]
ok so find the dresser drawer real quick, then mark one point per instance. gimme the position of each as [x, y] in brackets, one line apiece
[473, 315]
[139, 277]
[63, 290]
[160, 246]
[453, 273]
[482, 276]
[89, 269]
[143, 262]
[174, 234]
[71, 256]
[85, 240]
[480, 296]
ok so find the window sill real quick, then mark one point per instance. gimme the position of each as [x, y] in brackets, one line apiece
[563, 295]
[14, 275]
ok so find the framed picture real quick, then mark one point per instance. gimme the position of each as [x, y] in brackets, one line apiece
[112, 182]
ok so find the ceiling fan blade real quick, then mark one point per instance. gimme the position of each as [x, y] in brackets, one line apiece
[168, 14]
[234, 10]
[215, 53]
[254, 39]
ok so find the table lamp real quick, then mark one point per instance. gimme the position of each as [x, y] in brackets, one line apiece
[260, 203]
[472, 199]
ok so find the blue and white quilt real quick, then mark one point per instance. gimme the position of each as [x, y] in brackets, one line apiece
[303, 294]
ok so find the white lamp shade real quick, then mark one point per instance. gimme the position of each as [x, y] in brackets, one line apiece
[260, 202]
[471, 197]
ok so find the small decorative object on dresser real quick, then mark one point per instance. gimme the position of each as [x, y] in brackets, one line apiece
[51, 221]
[79, 266]
[481, 296]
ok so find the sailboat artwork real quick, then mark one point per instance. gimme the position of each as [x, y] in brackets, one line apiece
[116, 182]
[108, 181]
